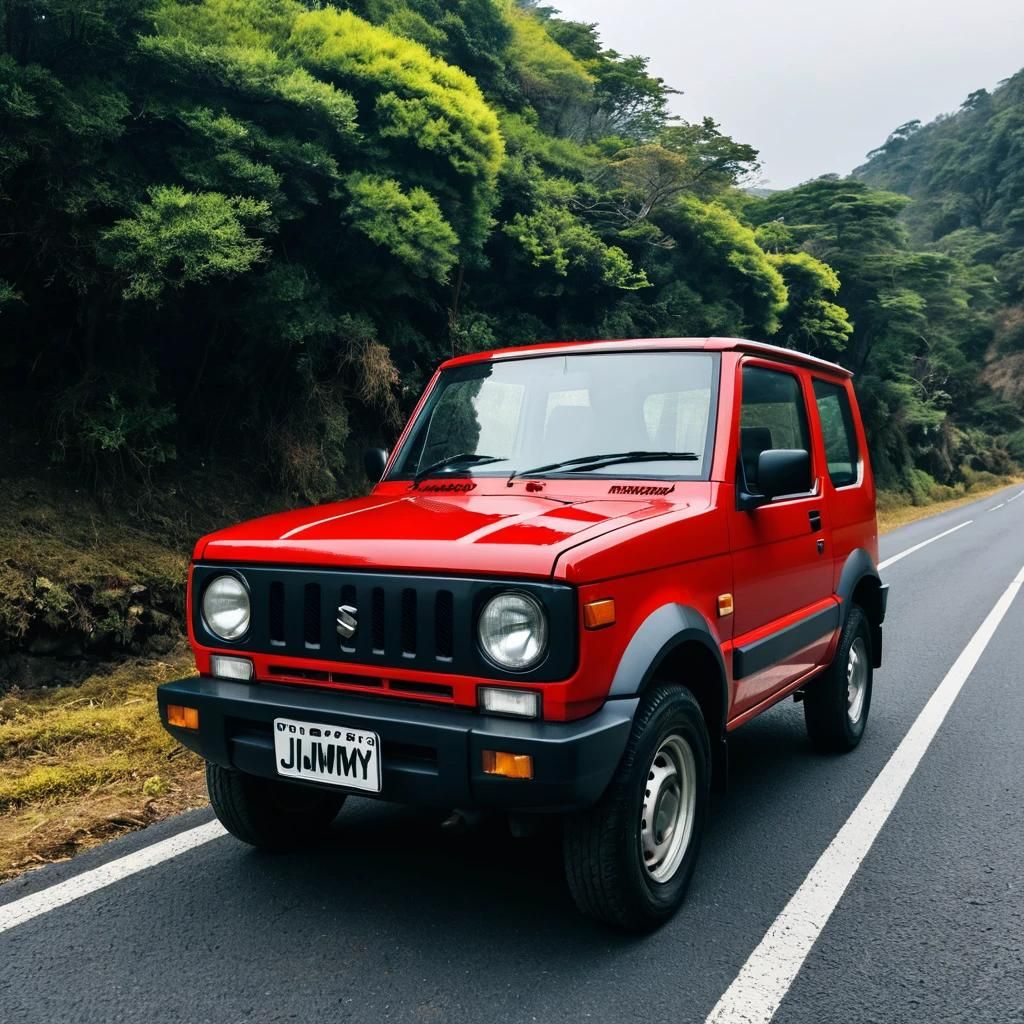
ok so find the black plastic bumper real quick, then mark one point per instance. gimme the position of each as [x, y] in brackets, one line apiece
[430, 755]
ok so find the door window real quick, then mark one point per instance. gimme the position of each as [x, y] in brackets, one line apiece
[772, 415]
[838, 432]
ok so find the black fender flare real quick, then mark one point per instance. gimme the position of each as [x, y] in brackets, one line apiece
[658, 635]
[664, 630]
[859, 566]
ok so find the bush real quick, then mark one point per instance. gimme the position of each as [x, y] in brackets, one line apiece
[1015, 446]
[980, 480]
[922, 487]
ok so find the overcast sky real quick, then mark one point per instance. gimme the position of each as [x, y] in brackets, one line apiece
[814, 84]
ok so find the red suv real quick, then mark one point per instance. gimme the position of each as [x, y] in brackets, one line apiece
[584, 566]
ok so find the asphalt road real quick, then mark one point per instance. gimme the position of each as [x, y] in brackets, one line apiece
[395, 920]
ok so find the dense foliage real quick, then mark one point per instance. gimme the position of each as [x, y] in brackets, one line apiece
[965, 174]
[250, 228]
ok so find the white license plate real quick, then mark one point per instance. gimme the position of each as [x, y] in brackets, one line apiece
[333, 754]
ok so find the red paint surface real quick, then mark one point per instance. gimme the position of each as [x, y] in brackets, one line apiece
[687, 547]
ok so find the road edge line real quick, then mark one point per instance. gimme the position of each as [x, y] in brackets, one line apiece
[917, 547]
[764, 979]
[62, 893]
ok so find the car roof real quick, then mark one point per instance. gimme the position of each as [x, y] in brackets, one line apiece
[757, 348]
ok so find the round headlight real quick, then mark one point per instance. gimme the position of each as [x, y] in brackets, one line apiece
[226, 607]
[513, 631]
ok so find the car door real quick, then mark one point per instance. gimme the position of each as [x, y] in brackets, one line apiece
[783, 608]
[848, 483]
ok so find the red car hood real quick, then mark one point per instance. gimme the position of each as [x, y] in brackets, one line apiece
[509, 534]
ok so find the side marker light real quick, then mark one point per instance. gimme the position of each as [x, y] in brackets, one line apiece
[598, 614]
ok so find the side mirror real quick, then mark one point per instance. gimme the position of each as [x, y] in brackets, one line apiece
[374, 462]
[783, 471]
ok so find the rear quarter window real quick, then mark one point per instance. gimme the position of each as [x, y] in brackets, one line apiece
[838, 432]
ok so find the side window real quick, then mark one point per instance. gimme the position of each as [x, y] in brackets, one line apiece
[838, 432]
[772, 415]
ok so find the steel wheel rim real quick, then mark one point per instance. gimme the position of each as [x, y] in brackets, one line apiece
[856, 679]
[669, 808]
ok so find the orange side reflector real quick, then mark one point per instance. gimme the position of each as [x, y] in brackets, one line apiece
[725, 604]
[511, 766]
[598, 614]
[182, 717]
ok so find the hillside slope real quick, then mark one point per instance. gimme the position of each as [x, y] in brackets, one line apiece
[965, 174]
[249, 229]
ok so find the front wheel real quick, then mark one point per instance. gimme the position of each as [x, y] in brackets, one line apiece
[629, 859]
[268, 813]
[836, 704]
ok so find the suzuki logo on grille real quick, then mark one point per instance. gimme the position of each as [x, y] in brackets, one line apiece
[347, 621]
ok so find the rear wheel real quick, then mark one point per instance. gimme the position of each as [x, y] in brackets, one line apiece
[836, 704]
[268, 813]
[629, 859]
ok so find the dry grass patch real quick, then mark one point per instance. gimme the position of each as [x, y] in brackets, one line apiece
[78, 766]
[894, 511]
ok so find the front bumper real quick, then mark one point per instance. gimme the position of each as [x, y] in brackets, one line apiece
[430, 755]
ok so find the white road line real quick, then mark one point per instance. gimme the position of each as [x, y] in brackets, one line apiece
[765, 978]
[28, 907]
[1015, 497]
[917, 547]
[994, 507]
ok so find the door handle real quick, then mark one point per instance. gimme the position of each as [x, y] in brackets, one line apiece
[815, 517]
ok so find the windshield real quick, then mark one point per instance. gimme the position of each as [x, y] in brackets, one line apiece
[637, 415]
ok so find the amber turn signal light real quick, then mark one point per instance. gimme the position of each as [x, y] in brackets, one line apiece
[598, 614]
[511, 766]
[182, 717]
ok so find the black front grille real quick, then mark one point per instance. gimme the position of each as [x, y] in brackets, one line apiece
[444, 624]
[377, 617]
[276, 613]
[311, 616]
[409, 622]
[403, 620]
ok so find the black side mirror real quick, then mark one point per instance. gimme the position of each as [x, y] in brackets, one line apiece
[374, 462]
[783, 471]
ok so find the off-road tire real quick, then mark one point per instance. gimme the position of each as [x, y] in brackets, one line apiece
[267, 813]
[601, 846]
[827, 702]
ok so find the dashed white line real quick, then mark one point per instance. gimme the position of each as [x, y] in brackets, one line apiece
[28, 907]
[765, 978]
[994, 507]
[917, 547]
[1015, 497]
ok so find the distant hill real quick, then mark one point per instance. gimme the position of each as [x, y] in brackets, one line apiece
[965, 173]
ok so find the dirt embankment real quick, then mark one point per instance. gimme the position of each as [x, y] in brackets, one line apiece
[80, 585]
[88, 579]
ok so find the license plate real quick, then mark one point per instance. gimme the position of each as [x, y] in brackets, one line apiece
[333, 754]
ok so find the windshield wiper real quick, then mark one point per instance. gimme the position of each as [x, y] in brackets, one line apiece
[586, 462]
[466, 457]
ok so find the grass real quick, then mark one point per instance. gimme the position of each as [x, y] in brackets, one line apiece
[896, 510]
[79, 766]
